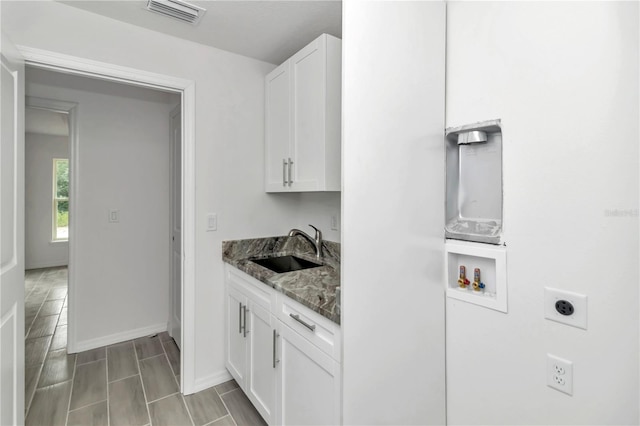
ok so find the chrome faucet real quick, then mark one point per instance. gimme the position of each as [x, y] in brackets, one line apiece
[315, 242]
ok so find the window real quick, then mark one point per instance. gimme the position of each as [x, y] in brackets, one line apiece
[60, 199]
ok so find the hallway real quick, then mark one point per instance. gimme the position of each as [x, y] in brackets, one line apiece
[129, 383]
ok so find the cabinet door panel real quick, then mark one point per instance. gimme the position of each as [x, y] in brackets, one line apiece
[309, 382]
[277, 127]
[262, 376]
[236, 342]
[308, 71]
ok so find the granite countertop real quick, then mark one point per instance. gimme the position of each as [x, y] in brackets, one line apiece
[315, 288]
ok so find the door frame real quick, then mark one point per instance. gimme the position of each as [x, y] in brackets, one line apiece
[44, 59]
[12, 348]
[71, 111]
[172, 162]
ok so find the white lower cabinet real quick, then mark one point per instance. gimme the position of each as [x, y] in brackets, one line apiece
[250, 339]
[285, 374]
[308, 383]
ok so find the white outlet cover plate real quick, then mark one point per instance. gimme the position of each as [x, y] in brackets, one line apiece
[334, 222]
[560, 374]
[579, 302]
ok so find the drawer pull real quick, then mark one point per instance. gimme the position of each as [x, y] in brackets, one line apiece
[297, 318]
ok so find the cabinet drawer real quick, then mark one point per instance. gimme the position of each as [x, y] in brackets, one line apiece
[320, 331]
[255, 290]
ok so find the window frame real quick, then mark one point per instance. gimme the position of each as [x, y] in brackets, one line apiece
[55, 200]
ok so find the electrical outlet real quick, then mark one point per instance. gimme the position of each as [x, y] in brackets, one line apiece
[560, 374]
[334, 221]
[565, 307]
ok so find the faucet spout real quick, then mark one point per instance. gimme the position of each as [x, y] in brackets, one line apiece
[316, 242]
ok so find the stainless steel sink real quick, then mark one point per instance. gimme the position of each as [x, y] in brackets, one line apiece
[285, 263]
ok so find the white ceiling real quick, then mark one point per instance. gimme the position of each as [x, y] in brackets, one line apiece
[270, 31]
[45, 122]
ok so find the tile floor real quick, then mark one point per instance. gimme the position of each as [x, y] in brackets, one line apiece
[130, 383]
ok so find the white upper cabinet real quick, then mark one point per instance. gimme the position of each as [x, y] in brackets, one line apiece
[302, 126]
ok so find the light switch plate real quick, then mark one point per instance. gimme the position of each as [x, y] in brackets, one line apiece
[212, 222]
[114, 216]
[573, 305]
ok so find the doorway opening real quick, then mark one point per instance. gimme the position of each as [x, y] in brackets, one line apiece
[47, 147]
[77, 341]
[185, 89]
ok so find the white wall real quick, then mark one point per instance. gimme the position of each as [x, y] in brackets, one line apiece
[40, 251]
[122, 269]
[563, 77]
[393, 213]
[229, 143]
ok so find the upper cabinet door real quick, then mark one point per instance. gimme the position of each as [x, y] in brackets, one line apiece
[312, 162]
[307, 125]
[277, 128]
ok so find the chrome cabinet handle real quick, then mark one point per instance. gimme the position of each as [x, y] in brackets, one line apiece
[284, 172]
[290, 178]
[240, 318]
[245, 320]
[275, 337]
[297, 318]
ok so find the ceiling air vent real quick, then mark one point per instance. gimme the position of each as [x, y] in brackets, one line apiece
[177, 9]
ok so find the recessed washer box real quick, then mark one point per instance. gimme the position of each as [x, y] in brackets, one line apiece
[474, 182]
[492, 263]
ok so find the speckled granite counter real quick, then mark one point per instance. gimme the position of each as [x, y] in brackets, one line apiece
[315, 287]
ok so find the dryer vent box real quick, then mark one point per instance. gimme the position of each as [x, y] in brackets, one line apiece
[474, 182]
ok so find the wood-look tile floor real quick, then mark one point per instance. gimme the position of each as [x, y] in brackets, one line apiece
[129, 383]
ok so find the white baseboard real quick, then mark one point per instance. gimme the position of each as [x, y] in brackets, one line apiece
[212, 380]
[98, 342]
[40, 265]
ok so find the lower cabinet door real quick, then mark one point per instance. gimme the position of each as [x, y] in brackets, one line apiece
[261, 388]
[235, 334]
[308, 384]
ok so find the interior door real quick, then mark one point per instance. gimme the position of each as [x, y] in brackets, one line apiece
[11, 235]
[176, 226]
